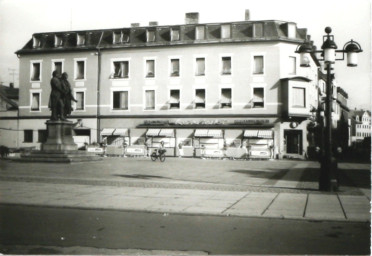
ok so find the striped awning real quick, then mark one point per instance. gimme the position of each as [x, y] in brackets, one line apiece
[267, 134]
[215, 133]
[167, 132]
[152, 132]
[251, 133]
[121, 132]
[201, 133]
[107, 131]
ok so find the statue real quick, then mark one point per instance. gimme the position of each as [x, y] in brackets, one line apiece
[56, 99]
[68, 97]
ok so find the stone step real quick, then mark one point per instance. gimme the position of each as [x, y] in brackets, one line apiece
[58, 156]
[57, 160]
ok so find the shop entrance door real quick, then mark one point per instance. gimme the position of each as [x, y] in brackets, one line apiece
[293, 139]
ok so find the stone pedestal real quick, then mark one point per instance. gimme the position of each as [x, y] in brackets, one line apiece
[59, 147]
[59, 136]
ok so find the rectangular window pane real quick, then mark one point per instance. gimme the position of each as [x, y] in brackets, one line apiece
[298, 97]
[200, 32]
[200, 98]
[226, 98]
[36, 42]
[80, 69]
[58, 67]
[121, 69]
[57, 41]
[226, 65]
[225, 31]
[291, 30]
[116, 37]
[80, 101]
[120, 100]
[35, 105]
[258, 30]
[80, 39]
[150, 99]
[258, 65]
[200, 66]
[174, 99]
[292, 66]
[150, 36]
[175, 67]
[258, 97]
[28, 136]
[42, 136]
[150, 68]
[175, 35]
[35, 72]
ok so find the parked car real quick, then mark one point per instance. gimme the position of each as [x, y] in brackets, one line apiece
[259, 152]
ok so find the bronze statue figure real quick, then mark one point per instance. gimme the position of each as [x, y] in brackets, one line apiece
[56, 102]
[68, 97]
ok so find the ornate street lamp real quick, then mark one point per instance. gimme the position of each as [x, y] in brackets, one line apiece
[328, 173]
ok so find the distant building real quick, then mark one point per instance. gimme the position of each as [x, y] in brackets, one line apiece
[361, 125]
[211, 86]
[9, 116]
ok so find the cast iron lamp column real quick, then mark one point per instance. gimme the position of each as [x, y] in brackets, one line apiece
[328, 180]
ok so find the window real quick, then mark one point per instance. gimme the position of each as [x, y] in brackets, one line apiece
[58, 67]
[117, 37]
[174, 99]
[28, 136]
[80, 101]
[150, 68]
[226, 98]
[120, 100]
[291, 30]
[199, 98]
[35, 71]
[258, 67]
[121, 69]
[298, 97]
[226, 65]
[258, 30]
[175, 67]
[150, 35]
[150, 99]
[200, 32]
[36, 42]
[80, 39]
[292, 66]
[42, 136]
[200, 67]
[80, 70]
[175, 34]
[35, 104]
[225, 31]
[58, 40]
[258, 97]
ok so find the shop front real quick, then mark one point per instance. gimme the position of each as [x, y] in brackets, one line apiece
[115, 140]
[234, 144]
[259, 142]
[137, 146]
[209, 143]
[185, 142]
[155, 136]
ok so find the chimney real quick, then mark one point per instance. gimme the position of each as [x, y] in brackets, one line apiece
[153, 23]
[192, 18]
[247, 15]
[134, 25]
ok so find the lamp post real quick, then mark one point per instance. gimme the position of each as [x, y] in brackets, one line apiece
[328, 176]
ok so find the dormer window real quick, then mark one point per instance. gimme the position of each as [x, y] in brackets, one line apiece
[175, 34]
[125, 36]
[58, 41]
[258, 30]
[150, 35]
[226, 31]
[117, 37]
[291, 30]
[200, 33]
[36, 42]
[80, 39]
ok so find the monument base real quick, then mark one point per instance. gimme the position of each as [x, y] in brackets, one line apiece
[59, 147]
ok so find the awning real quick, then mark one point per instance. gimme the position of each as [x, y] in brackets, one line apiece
[251, 133]
[268, 134]
[167, 133]
[121, 132]
[215, 133]
[107, 131]
[152, 132]
[201, 133]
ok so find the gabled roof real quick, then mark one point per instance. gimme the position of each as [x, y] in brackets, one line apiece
[9, 94]
[241, 31]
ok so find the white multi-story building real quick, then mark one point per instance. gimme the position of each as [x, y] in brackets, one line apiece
[361, 125]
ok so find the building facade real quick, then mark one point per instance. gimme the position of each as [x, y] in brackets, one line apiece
[361, 125]
[207, 88]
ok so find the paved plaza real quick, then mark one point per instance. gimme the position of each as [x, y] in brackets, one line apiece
[274, 189]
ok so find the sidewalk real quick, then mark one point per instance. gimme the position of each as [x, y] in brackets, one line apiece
[285, 193]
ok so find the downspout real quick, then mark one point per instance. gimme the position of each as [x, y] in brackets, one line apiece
[98, 89]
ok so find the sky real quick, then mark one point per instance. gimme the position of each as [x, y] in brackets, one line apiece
[19, 19]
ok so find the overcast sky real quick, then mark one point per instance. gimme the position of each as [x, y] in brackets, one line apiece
[19, 19]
